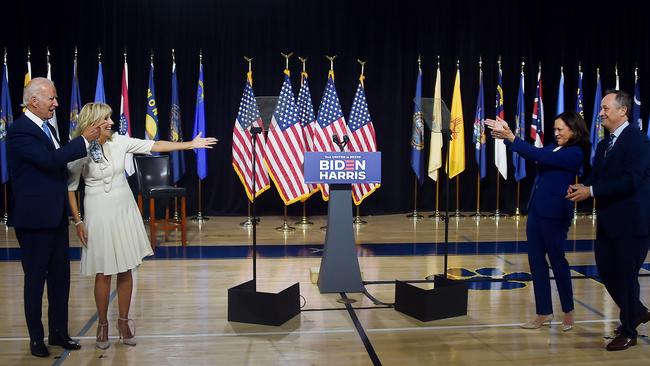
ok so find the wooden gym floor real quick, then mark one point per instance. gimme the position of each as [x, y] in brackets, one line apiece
[180, 305]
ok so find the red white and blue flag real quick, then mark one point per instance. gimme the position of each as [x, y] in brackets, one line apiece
[307, 119]
[242, 144]
[330, 122]
[537, 124]
[362, 139]
[125, 117]
[285, 147]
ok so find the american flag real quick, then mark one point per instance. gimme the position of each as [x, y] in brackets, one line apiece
[537, 125]
[330, 122]
[307, 119]
[285, 147]
[362, 138]
[242, 144]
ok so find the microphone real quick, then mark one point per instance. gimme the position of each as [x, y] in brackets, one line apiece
[256, 130]
[345, 139]
[336, 140]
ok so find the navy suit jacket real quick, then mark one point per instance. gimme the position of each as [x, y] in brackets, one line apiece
[556, 170]
[621, 185]
[38, 175]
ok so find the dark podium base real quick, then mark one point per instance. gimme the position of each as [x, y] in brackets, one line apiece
[447, 299]
[245, 305]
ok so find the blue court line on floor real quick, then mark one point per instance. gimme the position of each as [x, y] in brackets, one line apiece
[315, 250]
[59, 361]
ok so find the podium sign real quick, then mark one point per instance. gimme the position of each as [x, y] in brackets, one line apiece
[339, 268]
[342, 167]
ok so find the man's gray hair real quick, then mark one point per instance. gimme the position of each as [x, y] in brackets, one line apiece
[34, 87]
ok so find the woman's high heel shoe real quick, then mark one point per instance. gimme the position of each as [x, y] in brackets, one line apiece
[101, 341]
[567, 323]
[127, 336]
[538, 322]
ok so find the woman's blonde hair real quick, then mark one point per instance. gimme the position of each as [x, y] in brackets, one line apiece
[91, 113]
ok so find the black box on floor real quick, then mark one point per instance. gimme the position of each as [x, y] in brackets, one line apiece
[447, 299]
[245, 305]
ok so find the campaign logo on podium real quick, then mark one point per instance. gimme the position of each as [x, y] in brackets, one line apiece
[342, 167]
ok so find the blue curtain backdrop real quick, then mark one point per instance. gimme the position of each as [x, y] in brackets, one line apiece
[388, 36]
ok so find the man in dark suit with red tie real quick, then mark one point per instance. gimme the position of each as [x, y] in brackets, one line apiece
[620, 183]
[38, 173]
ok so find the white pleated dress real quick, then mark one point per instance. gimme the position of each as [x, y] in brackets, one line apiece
[117, 239]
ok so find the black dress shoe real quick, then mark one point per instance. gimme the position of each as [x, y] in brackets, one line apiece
[620, 343]
[64, 341]
[644, 318]
[39, 349]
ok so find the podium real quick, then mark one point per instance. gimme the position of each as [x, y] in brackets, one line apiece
[339, 267]
[339, 270]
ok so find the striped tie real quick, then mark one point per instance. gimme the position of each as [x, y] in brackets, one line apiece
[610, 144]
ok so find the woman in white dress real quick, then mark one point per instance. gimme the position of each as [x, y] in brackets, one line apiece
[113, 234]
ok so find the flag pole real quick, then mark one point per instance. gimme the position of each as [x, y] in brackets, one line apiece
[497, 214]
[357, 218]
[285, 226]
[415, 215]
[477, 215]
[457, 213]
[176, 217]
[436, 214]
[249, 219]
[3, 220]
[304, 220]
[199, 218]
[517, 215]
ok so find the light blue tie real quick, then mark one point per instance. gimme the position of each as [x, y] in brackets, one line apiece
[46, 129]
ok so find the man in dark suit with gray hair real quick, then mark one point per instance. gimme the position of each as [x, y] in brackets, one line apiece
[620, 182]
[37, 169]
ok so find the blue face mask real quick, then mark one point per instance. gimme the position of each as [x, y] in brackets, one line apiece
[95, 150]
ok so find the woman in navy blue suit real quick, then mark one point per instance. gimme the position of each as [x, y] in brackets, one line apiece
[549, 212]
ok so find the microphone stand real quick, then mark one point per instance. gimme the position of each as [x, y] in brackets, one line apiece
[446, 137]
[339, 143]
[245, 303]
[254, 132]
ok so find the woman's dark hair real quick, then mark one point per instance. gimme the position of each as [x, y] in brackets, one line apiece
[580, 136]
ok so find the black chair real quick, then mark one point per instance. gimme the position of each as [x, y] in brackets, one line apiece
[153, 175]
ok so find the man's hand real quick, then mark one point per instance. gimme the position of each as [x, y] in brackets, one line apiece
[92, 132]
[578, 192]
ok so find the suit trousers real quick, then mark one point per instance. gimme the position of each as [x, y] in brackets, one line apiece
[547, 236]
[45, 258]
[618, 261]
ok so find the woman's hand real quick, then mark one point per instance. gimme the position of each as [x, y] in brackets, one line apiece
[500, 129]
[203, 142]
[82, 234]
